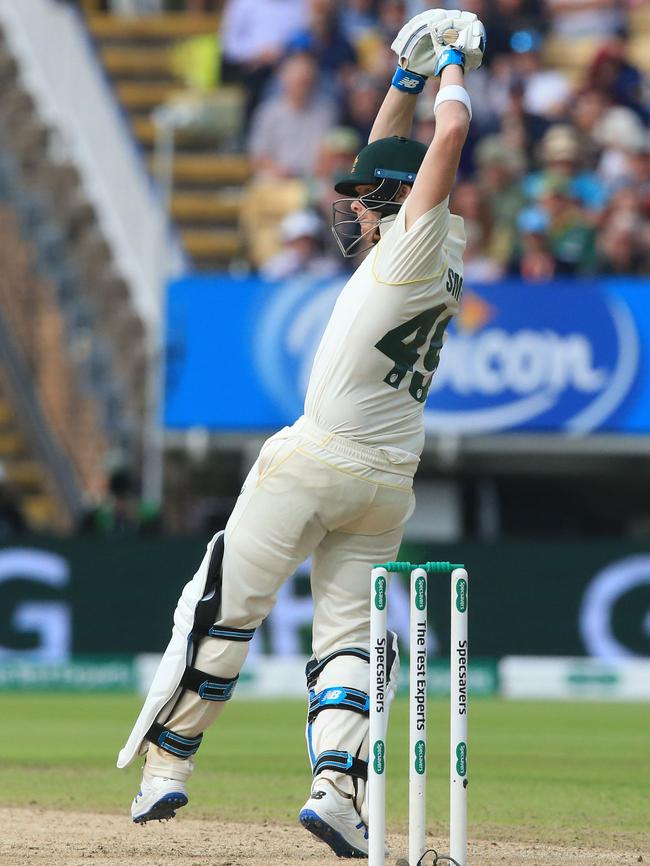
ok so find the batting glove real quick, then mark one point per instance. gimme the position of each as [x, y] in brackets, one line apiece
[437, 38]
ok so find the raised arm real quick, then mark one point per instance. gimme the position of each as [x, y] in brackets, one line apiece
[395, 117]
[437, 173]
[442, 44]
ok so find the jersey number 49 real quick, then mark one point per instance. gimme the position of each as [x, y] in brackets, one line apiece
[403, 343]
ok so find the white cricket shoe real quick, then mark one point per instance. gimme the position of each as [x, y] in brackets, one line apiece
[158, 799]
[332, 817]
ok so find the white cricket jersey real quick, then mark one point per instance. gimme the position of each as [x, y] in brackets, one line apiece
[381, 347]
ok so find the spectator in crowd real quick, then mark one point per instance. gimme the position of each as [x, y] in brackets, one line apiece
[571, 234]
[488, 102]
[617, 79]
[467, 202]
[301, 233]
[554, 154]
[253, 38]
[579, 19]
[373, 43]
[626, 221]
[12, 522]
[587, 109]
[505, 19]
[635, 196]
[518, 81]
[357, 19]
[621, 243]
[297, 113]
[122, 511]
[325, 39]
[531, 127]
[622, 136]
[362, 105]
[478, 267]
[546, 91]
[513, 134]
[630, 198]
[336, 154]
[391, 15]
[561, 158]
[533, 260]
[500, 170]
[424, 124]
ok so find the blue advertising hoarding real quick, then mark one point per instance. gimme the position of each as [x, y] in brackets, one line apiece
[568, 356]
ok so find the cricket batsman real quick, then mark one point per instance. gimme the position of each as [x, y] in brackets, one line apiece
[338, 483]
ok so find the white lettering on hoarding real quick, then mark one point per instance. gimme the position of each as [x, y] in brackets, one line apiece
[522, 375]
[50, 620]
[599, 600]
[524, 362]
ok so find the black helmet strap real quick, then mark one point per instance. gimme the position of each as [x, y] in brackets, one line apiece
[382, 197]
[349, 230]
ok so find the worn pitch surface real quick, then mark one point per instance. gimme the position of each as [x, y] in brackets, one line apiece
[550, 784]
[46, 837]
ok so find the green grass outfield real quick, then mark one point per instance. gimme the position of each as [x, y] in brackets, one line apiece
[542, 771]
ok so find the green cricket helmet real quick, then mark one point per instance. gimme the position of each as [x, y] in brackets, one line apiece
[385, 164]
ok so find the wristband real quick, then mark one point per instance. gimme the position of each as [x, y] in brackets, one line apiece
[407, 81]
[453, 93]
[450, 57]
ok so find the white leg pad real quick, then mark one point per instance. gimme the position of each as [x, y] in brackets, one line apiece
[343, 730]
[165, 686]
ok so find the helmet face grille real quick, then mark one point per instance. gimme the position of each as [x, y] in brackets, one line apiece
[353, 234]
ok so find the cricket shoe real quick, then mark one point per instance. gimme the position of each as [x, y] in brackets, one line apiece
[158, 799]
[332, 818]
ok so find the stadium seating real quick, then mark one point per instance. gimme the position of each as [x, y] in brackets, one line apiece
[147, 59]
[36, 336]
[69, 319]
[21, 470]
[263, 207]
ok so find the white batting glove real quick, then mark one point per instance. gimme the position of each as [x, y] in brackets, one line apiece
[423, 44]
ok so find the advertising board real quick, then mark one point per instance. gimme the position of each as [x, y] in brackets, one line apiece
[528, 598]
[569, 357]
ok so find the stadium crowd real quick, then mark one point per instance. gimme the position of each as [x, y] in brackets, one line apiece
[555, 179]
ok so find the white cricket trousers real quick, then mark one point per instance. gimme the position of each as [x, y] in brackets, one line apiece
[309, 492]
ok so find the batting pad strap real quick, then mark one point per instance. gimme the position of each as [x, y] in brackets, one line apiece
[407, 81]
[182, 747]
[453, 93]
[226, 632]
[338, 698]
[314, 667]
[341, 762]
[208, 687]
